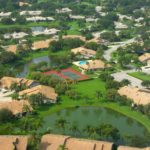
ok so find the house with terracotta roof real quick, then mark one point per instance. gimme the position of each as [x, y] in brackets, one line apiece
[98, 40]
[82, 38]
[6, 82]
[139, 96]
[17, 142]
[132, 148]
[16, 107]
[145, 58]
[91, 65]
[11, 48]
[41, 44]
[50, 96]
[54, 142]
[86, 53]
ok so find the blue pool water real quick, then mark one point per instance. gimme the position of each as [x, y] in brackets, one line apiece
[82, 62]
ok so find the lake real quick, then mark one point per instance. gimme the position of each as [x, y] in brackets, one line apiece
[24, 70]
[93, 116]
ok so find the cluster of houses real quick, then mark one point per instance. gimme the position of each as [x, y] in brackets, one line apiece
[21, 35]
[32, 88]
[58, 142]
[31, 16]
[44, 44]
[140, 96]
[15, 35]
[88, 61]
[46, 31]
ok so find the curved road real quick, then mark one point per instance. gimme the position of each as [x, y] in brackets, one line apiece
[108, 53]
[119, 76]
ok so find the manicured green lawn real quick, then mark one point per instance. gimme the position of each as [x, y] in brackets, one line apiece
[32, 24]
[40, 53]
[74, 28]
[89, 87]
[140, 75]
[36, 54]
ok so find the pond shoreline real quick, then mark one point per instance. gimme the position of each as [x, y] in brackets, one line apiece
[111, 106]
[94, 116]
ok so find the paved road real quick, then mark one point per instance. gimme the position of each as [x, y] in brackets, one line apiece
[119, 76]
[113, 48]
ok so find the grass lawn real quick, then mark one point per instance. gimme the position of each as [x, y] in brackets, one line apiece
[89, 87]
[40, 53]
[36, 54]
[140, 75]
[32, 24]
[74, 28]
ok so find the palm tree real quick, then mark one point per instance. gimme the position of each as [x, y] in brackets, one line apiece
[62, 147]
[26, 108]
[91, 131]
[38, 123]
[48, 130]
[61, 123]
[14, 86]
[98, 94]
[15, 96]
[125, 82]
[74, 129]
[34, 141]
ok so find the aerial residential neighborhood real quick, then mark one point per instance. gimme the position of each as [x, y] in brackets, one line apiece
[74, 75]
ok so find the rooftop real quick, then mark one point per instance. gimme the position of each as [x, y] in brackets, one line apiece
[132, 148]
[82, 38]
[11, 48]
[140, 97]
[15, 106]
[47, 91]
[144, 57]
[53, 142]
[83, 51]
[41, 44]
[8, 142]
[91, 64]
[6, 82]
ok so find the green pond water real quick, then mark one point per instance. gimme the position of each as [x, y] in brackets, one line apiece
[94, 116]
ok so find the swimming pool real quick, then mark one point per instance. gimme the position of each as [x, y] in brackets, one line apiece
[82, 62]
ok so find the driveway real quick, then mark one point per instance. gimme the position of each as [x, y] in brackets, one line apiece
[119, 76]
